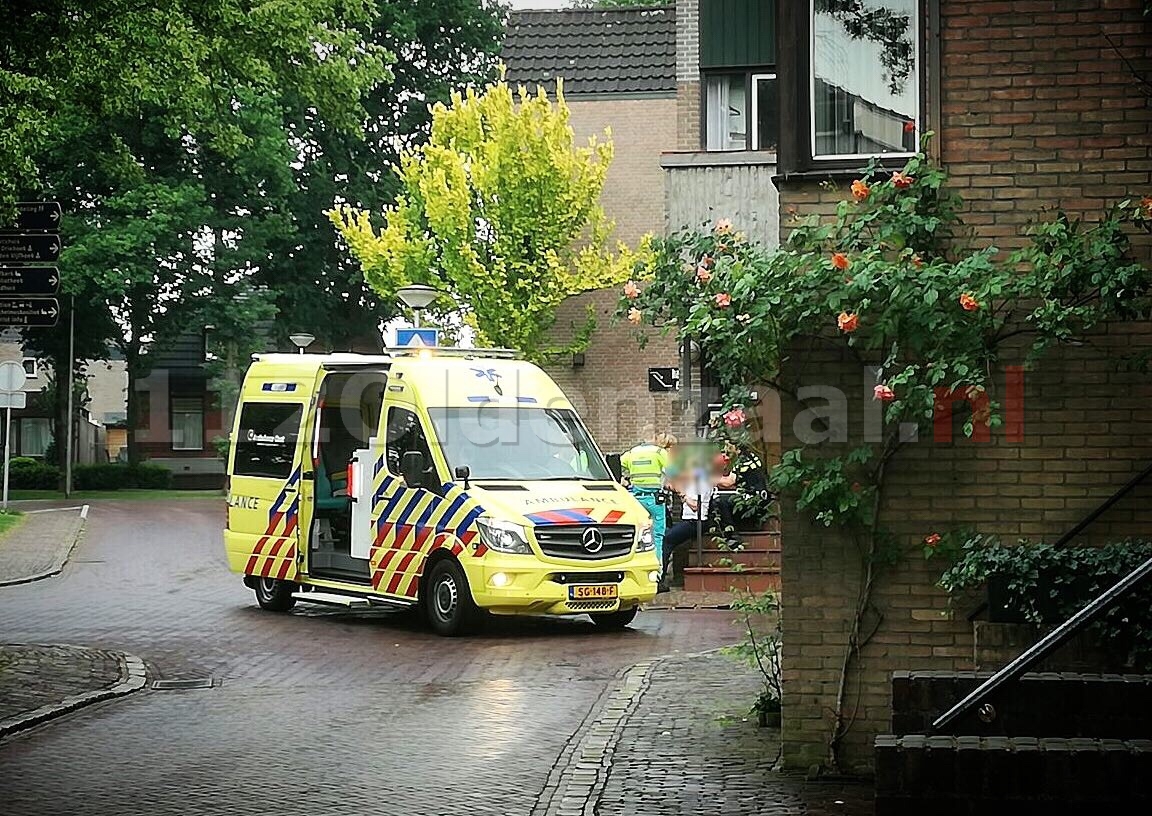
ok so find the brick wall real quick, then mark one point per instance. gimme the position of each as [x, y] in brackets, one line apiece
[1037, 110]
[611, 389]
[633, 194]
[688, 74]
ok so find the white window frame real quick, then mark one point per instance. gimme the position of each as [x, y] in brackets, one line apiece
[24, 423]
[755, 115]
[35, 372]
[172, 425]
[916, 46]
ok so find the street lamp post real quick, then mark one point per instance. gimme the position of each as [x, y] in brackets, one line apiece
[301, 340]
[417, 297]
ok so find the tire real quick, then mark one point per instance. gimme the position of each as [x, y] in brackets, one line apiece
[274, 595]
[615, 620]
[447, 601]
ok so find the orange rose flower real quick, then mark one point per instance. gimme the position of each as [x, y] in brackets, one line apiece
[917, 261]
[860, 190]
[631, 290]
[900, 181]
[703, 275]
[723, 226]
[969, 303]
[848, 323]
[635, 316]
[932, 540]
[1146, 203]
[723, 300]
[840, 260]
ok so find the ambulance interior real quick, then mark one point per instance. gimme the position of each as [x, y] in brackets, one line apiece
[347, 416]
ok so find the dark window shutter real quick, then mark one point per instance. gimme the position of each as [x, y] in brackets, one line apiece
[737, 33]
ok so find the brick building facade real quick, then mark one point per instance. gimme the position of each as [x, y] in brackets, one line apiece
[618, 72]
[1037, 105]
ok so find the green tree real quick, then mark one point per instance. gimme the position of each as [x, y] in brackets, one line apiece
[440, 46]
[175, 183]
[501, 210]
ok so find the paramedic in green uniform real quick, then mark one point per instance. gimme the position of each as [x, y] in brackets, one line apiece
[643, 468]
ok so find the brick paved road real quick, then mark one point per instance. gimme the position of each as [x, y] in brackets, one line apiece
[316, 711]
[39, 546]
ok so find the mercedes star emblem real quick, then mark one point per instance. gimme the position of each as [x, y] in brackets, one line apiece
[593, 540]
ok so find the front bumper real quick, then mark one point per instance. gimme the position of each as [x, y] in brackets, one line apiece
[533, 587]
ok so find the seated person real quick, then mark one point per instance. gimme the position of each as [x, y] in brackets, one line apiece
[695, 489]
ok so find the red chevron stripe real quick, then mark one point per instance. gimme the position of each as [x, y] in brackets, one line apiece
[410, 591]
[394, 584]
[289, 560]
[613, 517]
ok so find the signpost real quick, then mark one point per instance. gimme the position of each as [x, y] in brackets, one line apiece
[29, 280]
[27, 247]
[41, 313]
[12, 377]
[37, 215]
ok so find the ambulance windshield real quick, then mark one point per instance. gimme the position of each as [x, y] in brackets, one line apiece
[523, 444]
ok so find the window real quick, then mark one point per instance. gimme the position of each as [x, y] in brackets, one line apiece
[865, 78]
[741, 111]
[765, 112]
[266, 439]
[187, 423]
[35, 436]
[404, 434]
[498, 442]
[30, 367]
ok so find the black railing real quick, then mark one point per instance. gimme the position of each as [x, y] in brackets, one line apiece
[1046, 645]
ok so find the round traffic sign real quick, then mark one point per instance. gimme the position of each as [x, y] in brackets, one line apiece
[12, 376]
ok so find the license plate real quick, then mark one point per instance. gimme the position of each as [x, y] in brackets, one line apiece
[592, 592]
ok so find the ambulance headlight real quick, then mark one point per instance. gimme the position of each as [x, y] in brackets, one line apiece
[645, 542]
[503, 536]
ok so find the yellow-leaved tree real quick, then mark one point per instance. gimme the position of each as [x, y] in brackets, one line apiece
[499, 209]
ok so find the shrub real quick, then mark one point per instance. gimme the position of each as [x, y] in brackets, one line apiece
[28, 474]
[116, 476]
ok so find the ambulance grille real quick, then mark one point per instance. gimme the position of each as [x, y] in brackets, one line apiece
[567, 541]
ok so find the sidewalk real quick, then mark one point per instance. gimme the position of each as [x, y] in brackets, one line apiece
[40, 546]
[679, 599]
[675, 737]
[38, 683]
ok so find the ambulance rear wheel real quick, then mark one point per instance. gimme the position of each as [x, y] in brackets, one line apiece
[448, 601]
[614, 620]
[274, 595]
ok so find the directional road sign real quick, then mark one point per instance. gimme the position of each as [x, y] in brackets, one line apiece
[36, 216]
[417, 337]
[29, 280]
[31, 312]
[25, 248]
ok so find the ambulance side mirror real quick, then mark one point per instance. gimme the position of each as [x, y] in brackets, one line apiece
[463, 474]
[412, 468]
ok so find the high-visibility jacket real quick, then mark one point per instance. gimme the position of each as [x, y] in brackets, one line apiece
[645, 465]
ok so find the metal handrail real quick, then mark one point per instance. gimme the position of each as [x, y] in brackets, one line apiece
[1134, 482]
[1046, 645]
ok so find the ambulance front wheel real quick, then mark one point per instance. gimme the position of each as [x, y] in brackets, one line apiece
[614, 620]
[274, 595]
[448, 601]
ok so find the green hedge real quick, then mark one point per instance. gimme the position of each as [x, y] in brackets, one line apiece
[28, 474]
[121, 477]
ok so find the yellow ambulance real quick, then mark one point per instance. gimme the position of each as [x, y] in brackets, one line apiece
[452, 481]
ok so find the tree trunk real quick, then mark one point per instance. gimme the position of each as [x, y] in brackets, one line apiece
[131, 359]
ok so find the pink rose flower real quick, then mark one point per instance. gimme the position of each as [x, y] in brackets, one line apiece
[883, 393]
[723, 300]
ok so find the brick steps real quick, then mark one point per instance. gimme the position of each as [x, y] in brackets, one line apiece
[916, 774]
[754, 567]
[722, 579]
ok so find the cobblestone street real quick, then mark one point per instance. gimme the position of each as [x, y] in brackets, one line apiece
[319, 711]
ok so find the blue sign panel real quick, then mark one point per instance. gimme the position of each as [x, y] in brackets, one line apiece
[418, 337]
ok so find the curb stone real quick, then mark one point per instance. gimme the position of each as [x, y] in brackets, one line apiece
[132, 678]
[65, 556]
[577, 779]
